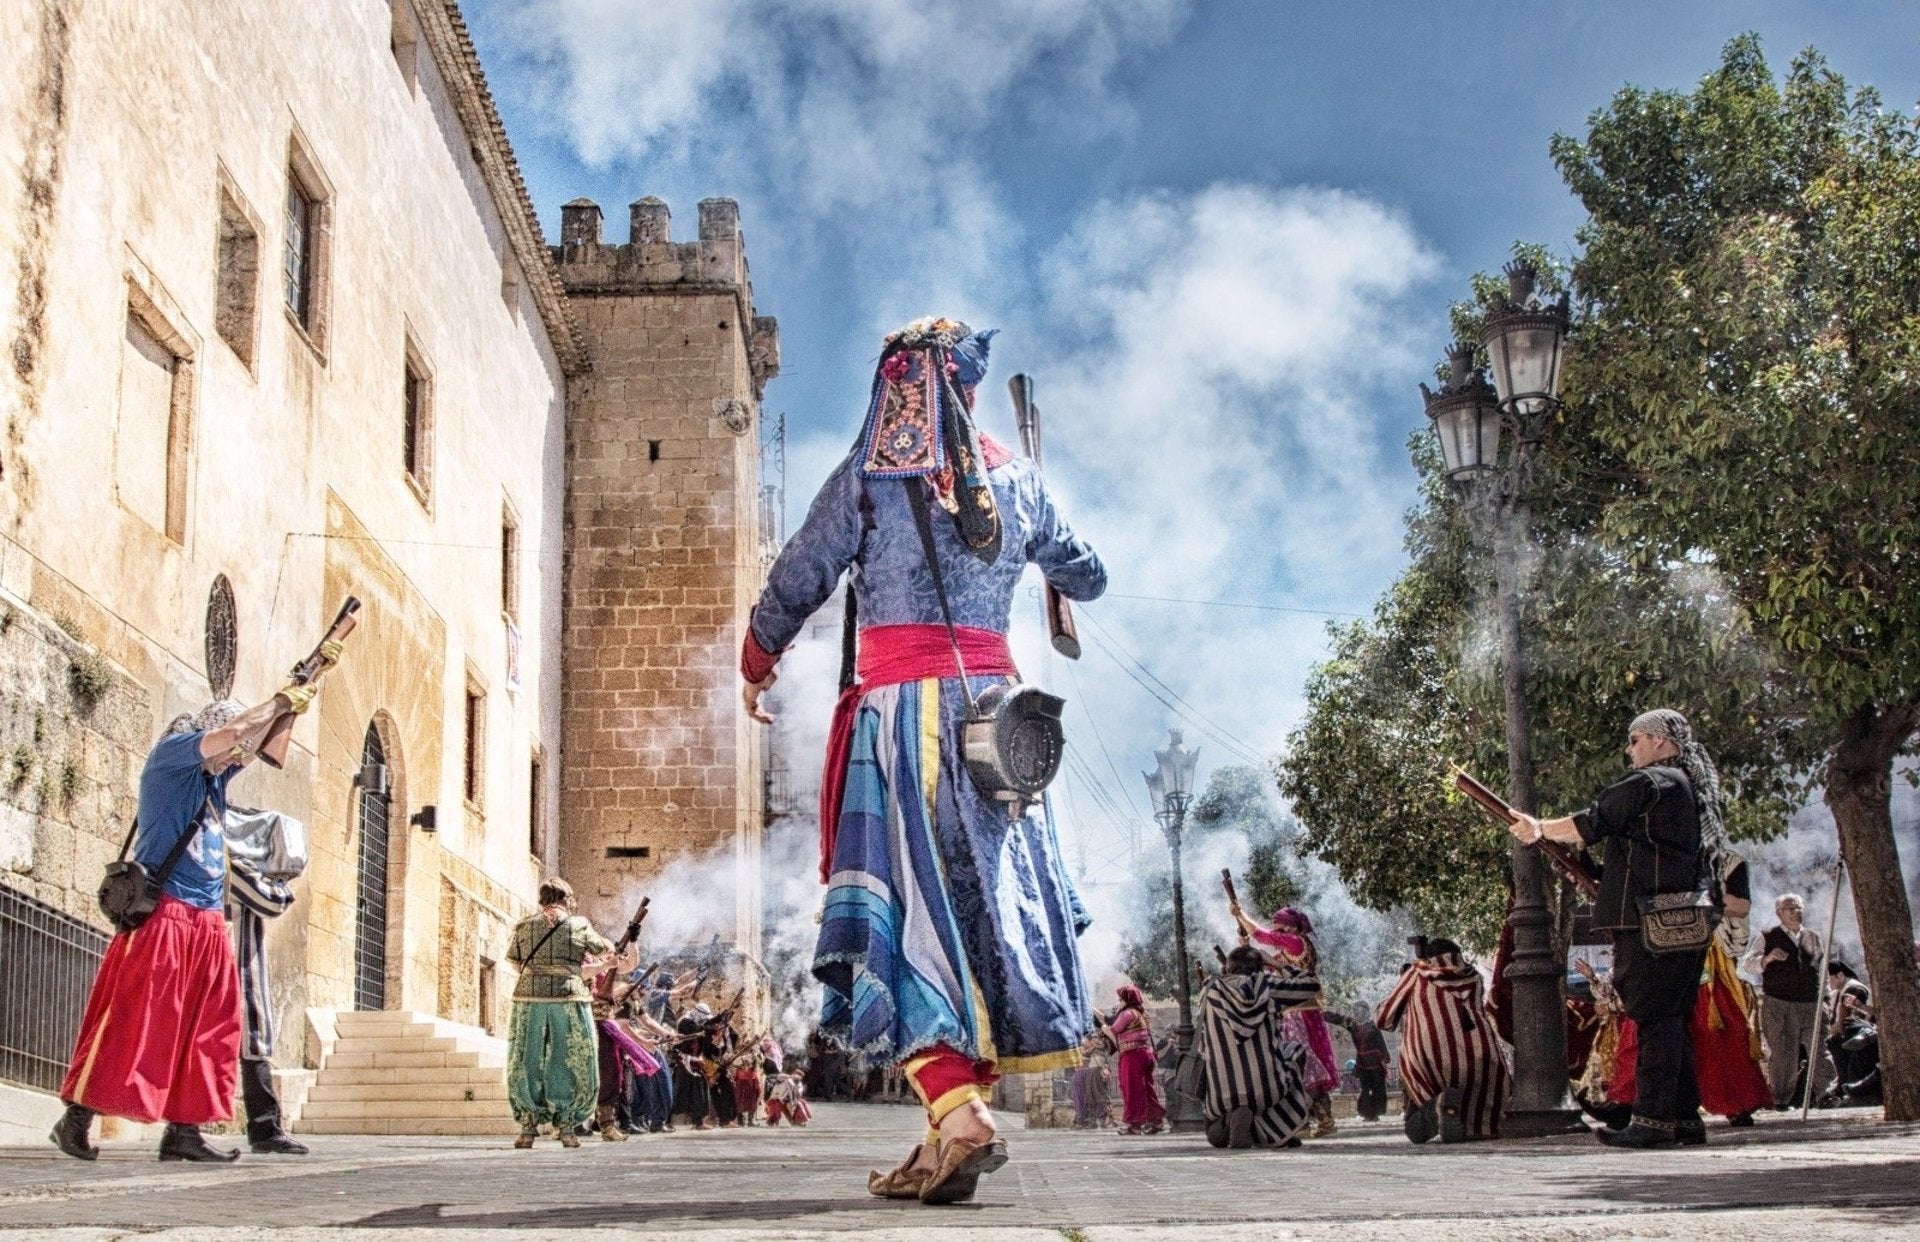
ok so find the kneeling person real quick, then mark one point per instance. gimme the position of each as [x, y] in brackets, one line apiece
[1256, 1091]
[1453, 1068]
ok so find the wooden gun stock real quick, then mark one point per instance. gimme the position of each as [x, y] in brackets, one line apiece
[633, 928]
[1558, 854]
[1061, 631]
[280, 733]
[1226, 882]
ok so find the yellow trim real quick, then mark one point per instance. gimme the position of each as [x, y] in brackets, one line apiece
[1040, 1063]
[938, 1109]
[982, 1021]
[930, 743]
[99, 1031]
[917, 1062]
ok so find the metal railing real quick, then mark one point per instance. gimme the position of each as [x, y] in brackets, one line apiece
[47, 964]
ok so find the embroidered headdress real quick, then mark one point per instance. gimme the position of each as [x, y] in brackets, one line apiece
[919, 423]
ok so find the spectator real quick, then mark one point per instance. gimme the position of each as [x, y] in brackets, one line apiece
[1786, 960]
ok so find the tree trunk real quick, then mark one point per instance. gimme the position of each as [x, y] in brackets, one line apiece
[1859, 791]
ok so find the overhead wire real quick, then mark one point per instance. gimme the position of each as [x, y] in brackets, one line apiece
[1219, 732]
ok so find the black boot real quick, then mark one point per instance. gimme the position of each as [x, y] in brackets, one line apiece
[1690, 1133]
[1640, 1134]
[182, 1142]
[70, 1133]
[279, 1143]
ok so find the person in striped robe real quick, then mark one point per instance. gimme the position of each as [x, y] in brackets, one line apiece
[1256, 1093]
[1453, 1068]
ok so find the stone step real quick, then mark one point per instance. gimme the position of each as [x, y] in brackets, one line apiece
[502, 1125]
[452, 1092]
[346, 1076]
[423, 1043]
[408, 1060]
[395, 1110]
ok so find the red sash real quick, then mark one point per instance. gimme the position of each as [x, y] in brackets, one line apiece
[889, 656]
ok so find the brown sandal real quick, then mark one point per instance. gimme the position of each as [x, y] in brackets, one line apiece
[962, 1163]
[904, 1182]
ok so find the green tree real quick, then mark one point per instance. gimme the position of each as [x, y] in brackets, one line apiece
[1750, 353]
[1417, 687]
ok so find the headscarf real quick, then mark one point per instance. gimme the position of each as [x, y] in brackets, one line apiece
[1130, 997]
[214, 715]
[919, 423]
[1288, 919]
[1694, 760]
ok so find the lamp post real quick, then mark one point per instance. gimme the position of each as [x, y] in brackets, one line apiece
[1525, 338]
[1170, 785]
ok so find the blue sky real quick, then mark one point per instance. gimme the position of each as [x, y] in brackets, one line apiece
[1222, 236]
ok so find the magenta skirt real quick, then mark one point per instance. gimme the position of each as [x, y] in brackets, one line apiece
[1139, 1095]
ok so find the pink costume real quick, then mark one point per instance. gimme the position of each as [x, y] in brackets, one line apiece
[1307, 1027]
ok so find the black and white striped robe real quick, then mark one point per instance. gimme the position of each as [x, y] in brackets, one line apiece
[1249, 1064]
[1447, 1040]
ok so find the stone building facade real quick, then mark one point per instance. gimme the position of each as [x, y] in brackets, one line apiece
[280, 326]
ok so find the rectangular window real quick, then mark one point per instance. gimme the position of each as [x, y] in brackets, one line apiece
[306, 250]
[510, 565]
[416, 418]
[474, 785]
[238, 267]
[536, 806]
[153, 439]
[297, 263]
[404, 40]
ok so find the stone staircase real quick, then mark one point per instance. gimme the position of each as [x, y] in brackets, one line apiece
[392, 1072]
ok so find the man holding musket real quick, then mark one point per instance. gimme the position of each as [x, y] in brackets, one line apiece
[1664, 836]
[160, 1040]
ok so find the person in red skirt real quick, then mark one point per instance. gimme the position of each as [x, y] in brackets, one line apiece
[160, 1040]
[1139, 1096]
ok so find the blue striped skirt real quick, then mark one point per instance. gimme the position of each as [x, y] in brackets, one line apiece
[946, 921]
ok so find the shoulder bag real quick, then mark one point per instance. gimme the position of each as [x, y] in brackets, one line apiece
[129, 893]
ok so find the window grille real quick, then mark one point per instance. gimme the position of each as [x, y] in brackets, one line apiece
[47, 964]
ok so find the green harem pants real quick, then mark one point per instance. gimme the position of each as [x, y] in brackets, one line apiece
[553, 1067]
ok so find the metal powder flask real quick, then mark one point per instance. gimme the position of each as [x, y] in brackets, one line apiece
[1012, 739]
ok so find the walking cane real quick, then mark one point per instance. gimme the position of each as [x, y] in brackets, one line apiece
[1820, 997]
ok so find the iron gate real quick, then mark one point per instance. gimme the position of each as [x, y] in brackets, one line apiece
[370, 918]
[47, 961]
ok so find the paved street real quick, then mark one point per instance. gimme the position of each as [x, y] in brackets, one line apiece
[1847, 1174]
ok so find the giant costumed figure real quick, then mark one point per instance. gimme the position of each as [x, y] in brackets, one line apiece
[947, 939]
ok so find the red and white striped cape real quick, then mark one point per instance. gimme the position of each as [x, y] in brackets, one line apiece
[1447, 1040]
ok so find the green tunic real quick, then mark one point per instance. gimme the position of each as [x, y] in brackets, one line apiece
[553, 1072]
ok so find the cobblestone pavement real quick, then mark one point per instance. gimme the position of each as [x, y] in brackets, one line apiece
[1840, 1175]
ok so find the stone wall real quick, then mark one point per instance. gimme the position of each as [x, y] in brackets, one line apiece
[74, 730]
[662, 562]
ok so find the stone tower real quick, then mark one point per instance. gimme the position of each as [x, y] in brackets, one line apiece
[664, 559]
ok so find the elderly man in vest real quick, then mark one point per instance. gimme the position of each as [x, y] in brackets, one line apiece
[1786, 960]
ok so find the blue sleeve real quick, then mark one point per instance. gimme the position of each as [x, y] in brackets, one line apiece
[810, 565]
[173, 785]
[1063, 557]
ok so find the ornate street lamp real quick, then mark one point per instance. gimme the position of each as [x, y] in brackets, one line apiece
[1525, 338]
[1170, 785]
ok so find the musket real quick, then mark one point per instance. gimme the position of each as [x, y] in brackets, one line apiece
[1060, 627]
[633, 928]
[1226, 882]
[1220, 955]
[1496, 806]
[280, 733]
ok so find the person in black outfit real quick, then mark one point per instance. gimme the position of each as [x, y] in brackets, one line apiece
[1662, 830]
[1370, 1059]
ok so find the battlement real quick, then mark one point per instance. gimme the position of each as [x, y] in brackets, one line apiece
[650, 259]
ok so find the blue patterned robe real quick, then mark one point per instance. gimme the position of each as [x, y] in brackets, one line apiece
[945, 922]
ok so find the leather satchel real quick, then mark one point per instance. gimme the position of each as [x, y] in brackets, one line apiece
[1678, 922]
[129, 893]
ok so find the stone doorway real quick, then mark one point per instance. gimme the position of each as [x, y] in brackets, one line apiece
[370, 907]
